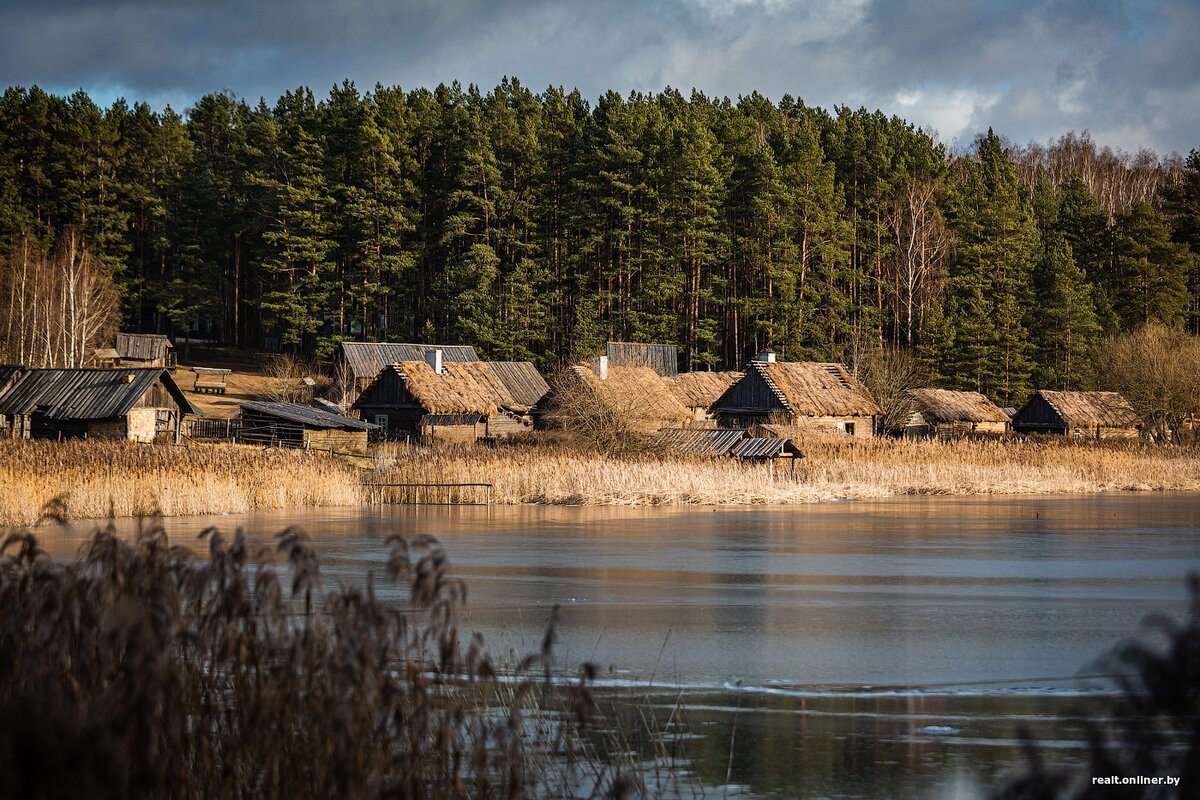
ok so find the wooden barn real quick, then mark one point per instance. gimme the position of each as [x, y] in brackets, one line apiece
[9, 373]
[458, 402]
[662, 358]
[1082, 415]
[804, 394]
[639, 396]
[357, 364]
[699, 391]
[140, 404]
[144, 350]
[300, 426]
[945, 413]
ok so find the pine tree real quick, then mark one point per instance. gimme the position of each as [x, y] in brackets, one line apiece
[1068, 333]
[1152, 270]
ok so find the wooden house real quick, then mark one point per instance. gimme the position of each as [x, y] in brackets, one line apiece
[300, 426]
[144, 350]
[456, 402]
[699, 391]
[139, 404]
[9, 373]
[662, 358]
[945, 413]
[357, 364]
[804, 394]
[1082, 415]
[638, 396]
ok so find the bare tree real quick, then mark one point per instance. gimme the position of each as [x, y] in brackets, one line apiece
[57, 309]
[1158, 370]
[288, 384]
[922, 241]
[889, 373]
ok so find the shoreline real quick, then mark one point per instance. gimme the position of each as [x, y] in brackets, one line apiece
[95, 480]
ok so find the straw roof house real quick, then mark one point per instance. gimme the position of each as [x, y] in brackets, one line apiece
[357, 364]
[943, 412]
[459, 401]
[806, 393]
[698, 391]
[637, 396]
[1083, 415]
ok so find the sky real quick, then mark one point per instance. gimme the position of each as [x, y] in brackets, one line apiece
[1128, 72]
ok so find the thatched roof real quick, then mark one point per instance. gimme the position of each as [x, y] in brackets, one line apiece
[86, 393]
[1093, 409]
[815, 389]
[368, 359]
[942, 406]
[468, 387]
[702, 389]
[635, 393]
[523, 381]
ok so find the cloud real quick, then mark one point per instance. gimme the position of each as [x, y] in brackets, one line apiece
[1032, 69]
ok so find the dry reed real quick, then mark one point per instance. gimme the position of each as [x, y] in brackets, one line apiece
[137, 671]
[835, 467]
[94, 480]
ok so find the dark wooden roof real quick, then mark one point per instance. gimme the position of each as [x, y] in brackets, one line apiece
[662, 358]
[702, 389]
[306, 416]
[86, 393]
[766, 448]
[8, 374]
[142, 346]
[368, 359]
[523, 381]
[803, 388]
[702, 442]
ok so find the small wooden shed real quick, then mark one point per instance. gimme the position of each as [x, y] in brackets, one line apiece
[300, 426]
[804, 393]
[1081, 415]
[699, 391]
[139, 404]
[458, 402]
[144, 350]
[946, 413]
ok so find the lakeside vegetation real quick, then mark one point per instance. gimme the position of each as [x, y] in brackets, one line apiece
[91, 480]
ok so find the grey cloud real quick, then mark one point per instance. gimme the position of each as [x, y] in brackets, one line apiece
[1033, 69]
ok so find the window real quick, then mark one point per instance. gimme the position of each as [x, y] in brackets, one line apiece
[850, 428]
[382, 421]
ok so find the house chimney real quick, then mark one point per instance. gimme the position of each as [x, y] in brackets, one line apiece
[434, 359]
[766, 358]
[603, 370]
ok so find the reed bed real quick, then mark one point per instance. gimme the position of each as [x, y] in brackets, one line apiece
[139, 671]
[834, 468]
[95, 480]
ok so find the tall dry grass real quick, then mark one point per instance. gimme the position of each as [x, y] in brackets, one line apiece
[835, 467]
[137, 671]
[94, 480]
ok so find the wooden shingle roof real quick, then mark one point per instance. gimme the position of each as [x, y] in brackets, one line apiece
[86, 393]
[816, 389]
[522, 379]
[702, 389]
[142, 346]
[662, 358]
[306, 416]
[1093, 409]
[942, 406]
[368, 359]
